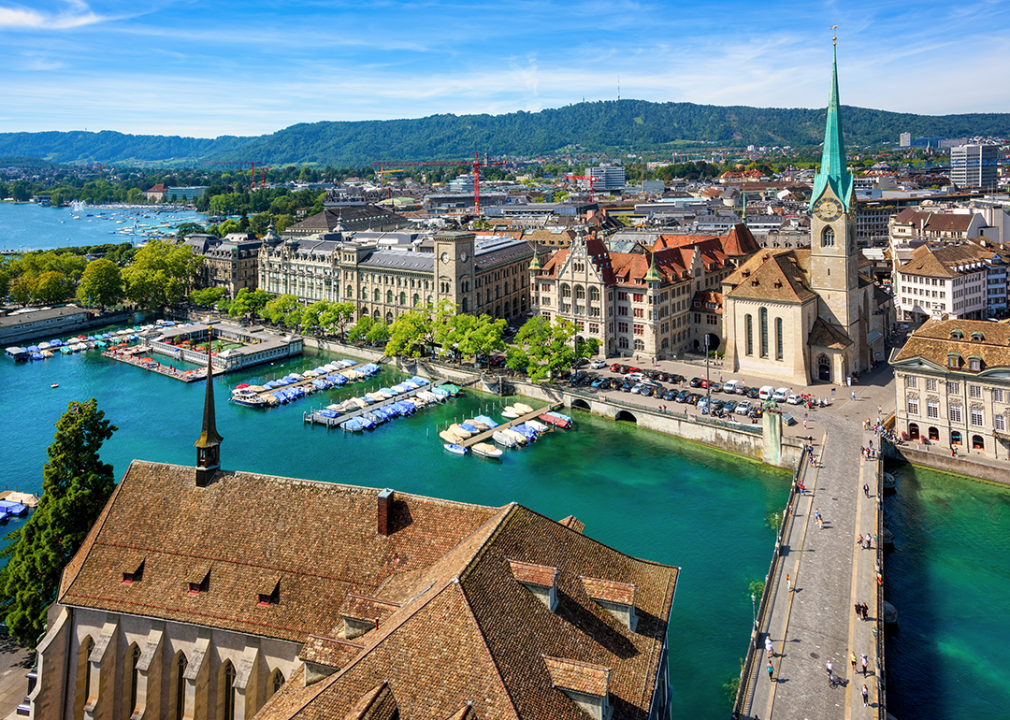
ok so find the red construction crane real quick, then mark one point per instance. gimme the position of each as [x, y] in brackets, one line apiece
[591, 179]
[475, 164]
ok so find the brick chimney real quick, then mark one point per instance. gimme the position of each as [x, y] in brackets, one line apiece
[385, 506]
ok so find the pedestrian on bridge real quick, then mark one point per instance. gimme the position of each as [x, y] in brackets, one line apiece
[852, 659]
[831, 673]
[771, 651]
[866, 490]
[864, 661]
[789, 584]
[771, 672]
[866, 697]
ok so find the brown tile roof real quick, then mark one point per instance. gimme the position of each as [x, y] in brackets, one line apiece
[944, 261]
[609, 591]
[578, 676]
[185, 531]
[779, 275]
[533, 574]
[377, 704]
[702, 298]
[824, 334]
[457, 628]
[935, 221]
[932, 342]
[573, 523]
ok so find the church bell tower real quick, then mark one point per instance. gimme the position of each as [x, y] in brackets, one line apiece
[834, 257]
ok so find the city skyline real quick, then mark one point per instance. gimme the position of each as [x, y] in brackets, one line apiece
[182, 68]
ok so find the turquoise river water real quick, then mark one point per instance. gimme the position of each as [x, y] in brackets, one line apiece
[644, 493]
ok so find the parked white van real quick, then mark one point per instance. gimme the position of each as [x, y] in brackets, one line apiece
[781, 394]
[730, 387]
[766, 392]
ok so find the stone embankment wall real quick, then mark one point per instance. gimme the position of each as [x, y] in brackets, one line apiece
[751, 443]
[940, 459]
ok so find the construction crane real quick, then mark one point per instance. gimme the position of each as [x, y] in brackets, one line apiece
[475, 164]
[591, 180]
[263, 177]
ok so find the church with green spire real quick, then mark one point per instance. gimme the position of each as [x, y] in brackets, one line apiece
[810, 314]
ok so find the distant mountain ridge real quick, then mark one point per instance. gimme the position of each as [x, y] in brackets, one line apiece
[596, 127]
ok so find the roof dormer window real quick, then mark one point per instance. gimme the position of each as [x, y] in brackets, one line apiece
[540, 580]
[956, 335]
[269, 593]
[953, 360]
[198, 581]
[977, 336]
[134, 574]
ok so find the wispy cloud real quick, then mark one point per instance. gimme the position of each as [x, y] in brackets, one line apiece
[75, 14]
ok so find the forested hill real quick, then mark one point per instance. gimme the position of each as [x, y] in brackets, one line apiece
[613, 126]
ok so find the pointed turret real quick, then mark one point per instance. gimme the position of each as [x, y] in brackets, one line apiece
[833, 173]
[208, 453]
[535, 262]
[653, 275]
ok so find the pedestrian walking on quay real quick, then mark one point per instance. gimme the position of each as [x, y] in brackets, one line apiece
[866, 697]
[817, 513]
[853, 394]
[866, 612]
[859, 614]
[771, 672]
[866, 490]
[771, 651]
[831, 673]
[852, 659]
[789, 584]
[864, 662]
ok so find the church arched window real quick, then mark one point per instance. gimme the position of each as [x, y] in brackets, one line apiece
[778, 338]
[748, 322]
[828, 237]
[764, 332]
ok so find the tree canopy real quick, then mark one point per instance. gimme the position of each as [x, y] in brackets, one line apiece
[161, 274]
[544, 349]
[76, 484]
[101, 284]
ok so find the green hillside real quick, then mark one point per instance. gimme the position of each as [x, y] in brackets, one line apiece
[597, 127]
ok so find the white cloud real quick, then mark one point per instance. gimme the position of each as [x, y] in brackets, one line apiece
[76, 14]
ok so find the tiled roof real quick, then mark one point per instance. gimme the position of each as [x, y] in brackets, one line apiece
[701, 300]
[773, 275]
[609, 590]
[937, 222]
[573, 523]
[824, 334]
[578, 676]
[933, 342]
[455, 626]
[944, 261]
[532, 574]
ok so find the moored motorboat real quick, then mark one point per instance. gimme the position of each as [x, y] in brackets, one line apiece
[486, 450]
[248, 398]
[517, 436]
[462, 432]
[455, 449]
[504, 440]
[522, 408]
[510, 413]
[538, 426]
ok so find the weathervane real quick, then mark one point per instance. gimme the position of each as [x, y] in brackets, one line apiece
[834, 36]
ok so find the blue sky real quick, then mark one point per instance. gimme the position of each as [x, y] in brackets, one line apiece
[208, 68]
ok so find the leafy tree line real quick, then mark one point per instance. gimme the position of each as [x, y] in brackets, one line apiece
[76, 484]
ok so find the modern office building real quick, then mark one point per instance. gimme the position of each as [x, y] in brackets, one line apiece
[975, 166]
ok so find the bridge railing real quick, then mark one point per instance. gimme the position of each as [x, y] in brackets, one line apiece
[878, 628]
[748, 673]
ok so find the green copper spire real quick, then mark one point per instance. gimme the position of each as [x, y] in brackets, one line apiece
[653, 275]
[833, 173]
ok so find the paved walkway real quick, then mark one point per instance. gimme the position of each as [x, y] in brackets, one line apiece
[815, 622]
[15, 661]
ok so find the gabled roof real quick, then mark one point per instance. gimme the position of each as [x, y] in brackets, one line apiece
[936, 221]
[944, 261]
[454, 629]
[933, 343]
[778, 275]
[824, 334]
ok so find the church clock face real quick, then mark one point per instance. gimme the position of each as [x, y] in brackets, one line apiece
[463, 256]
[828, 209]
[445, 258]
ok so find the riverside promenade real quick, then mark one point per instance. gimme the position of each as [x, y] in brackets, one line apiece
[811, 619]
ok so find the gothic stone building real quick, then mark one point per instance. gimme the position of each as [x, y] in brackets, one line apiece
[220, 595]
[230, 262]
[808, 315]
[658, 301]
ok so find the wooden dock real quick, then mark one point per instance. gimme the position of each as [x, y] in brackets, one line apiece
[487, 434]
[315, 417]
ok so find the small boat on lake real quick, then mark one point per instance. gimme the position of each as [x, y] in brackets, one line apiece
[510, 413]
[486, 450]
[522, 408]
[504, 440]
[455, 449]
[247, 398]
[461, 431]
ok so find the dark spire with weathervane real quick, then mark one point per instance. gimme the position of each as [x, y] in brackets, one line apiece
[208, 447]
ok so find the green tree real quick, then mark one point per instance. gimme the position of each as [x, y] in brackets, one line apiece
[336, 318]
[360, 329]
[378, 333]
[283, 310]
[544, 349]
[51, 287]
[101, 284]
[75, 487]
[161, 273]
[207, 296]
[22, 288]
[248, 303]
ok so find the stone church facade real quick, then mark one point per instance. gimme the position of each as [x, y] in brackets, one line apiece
[808, 314]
